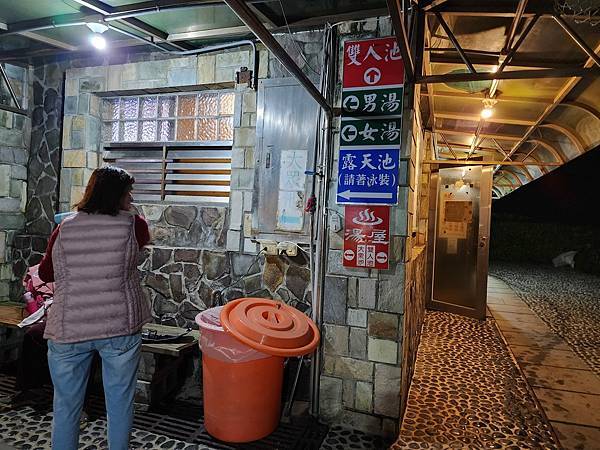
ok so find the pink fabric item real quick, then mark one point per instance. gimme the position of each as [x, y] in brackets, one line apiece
[36, 291]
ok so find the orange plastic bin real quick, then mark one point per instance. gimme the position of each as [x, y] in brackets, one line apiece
[244, 344]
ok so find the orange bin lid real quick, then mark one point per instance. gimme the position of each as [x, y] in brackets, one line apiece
[270, 326]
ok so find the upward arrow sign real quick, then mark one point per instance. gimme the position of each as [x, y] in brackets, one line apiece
[376, 195]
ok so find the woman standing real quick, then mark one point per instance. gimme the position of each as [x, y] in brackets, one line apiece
[98, 306]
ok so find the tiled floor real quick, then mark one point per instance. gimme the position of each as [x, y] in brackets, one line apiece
[566, 387]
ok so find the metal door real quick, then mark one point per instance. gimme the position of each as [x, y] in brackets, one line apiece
[286, 128]
[459, 218]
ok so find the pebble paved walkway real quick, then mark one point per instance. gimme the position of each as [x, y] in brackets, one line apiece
[468, 393]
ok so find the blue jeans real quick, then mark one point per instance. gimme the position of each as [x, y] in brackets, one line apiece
[70, 368]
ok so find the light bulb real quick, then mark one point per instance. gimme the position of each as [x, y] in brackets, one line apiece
[487, 112]
[98, 41]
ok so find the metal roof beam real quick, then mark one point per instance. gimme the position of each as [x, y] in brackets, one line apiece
[44, 23]
[455, 42]
[478, 97]
[240, 8]
[48, 40]
[451, 162]
[477, 118]
[490, 60]
[494, 9]
[397, 16]
[577, 39]
[499, 136]
[512, 75]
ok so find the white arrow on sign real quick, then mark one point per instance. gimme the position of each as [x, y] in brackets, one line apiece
[349, 194]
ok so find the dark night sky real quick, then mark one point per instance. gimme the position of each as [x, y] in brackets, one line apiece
[569, 194]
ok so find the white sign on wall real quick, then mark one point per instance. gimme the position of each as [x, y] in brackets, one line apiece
[292, 182]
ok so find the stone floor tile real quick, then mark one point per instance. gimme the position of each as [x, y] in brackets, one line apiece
[521, 327]
[567, 300]
[554, 358]
[572, 407]
[546, 341]
[511, 308]
[577, 437]
[575, 380]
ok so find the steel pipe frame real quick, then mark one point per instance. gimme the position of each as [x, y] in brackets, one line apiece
[570, 134]
[9, 87]
[562, 94]
[479, 97]
[583, 107]
[455, 42]
[512, 174]
[477, 118]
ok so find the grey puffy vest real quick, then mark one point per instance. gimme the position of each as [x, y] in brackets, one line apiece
[97, 288]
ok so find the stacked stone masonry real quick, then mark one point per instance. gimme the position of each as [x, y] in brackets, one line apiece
[366, 326]
[14, 154]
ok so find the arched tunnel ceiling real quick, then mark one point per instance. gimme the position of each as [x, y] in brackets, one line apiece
[540, 122]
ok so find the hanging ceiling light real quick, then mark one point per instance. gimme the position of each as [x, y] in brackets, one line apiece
[96, 39]
[488, 108]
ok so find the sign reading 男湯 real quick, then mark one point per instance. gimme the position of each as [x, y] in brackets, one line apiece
[366, 236]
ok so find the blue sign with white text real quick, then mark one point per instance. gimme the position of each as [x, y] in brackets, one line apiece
[368, 177]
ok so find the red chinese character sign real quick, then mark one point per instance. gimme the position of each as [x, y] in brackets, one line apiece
[367, 236]
[373, 63]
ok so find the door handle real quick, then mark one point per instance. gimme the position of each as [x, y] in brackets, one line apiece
[482, 241]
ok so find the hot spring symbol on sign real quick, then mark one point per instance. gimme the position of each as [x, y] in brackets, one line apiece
[367, 217]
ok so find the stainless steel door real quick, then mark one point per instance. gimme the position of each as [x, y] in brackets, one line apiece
[459, 231]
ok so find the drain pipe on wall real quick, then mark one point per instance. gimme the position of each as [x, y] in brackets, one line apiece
[322, 236]
[199, 51]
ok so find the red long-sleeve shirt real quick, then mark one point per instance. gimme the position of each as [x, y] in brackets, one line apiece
[46, 269]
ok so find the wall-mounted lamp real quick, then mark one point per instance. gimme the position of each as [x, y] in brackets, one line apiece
[96, 39]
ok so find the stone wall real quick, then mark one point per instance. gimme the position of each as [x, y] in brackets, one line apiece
[364, 309]
[15, 132]
[414, 314]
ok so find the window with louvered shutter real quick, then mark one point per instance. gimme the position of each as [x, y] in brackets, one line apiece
[178, 147]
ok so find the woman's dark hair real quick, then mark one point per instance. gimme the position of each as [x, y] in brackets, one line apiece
[105, 190]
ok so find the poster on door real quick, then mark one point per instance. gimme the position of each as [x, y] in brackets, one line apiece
[367, 236]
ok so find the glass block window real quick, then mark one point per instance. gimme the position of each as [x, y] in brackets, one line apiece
[205, 116]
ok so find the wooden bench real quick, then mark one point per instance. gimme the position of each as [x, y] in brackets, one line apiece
[163, 366]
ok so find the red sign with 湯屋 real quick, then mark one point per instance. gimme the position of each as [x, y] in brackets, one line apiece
[372, 63]
[367, 236]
